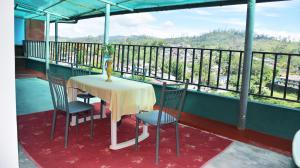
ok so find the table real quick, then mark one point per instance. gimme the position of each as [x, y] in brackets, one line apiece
[124, 96]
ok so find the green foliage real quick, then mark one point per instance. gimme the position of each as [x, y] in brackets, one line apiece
[107, 50]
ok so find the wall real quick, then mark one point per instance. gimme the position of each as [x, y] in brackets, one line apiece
[8, 119]
[265, 118]
[19, 31]
[34, 30]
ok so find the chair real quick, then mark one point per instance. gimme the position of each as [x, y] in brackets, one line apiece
[80, 72]
[60, 103]
[171, 104]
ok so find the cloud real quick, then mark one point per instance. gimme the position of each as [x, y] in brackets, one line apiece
[202, 12]
[294, 36]
[168, 24]
[234, 22]
[271, 15]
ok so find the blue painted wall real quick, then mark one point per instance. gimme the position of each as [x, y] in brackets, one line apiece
[19, 31]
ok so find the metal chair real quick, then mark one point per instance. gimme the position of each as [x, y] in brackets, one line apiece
[80, 72]
[60, 103]
[171, 104]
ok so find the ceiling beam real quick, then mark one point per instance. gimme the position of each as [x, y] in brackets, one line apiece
[28, 7]
[116, 4]
[51, 6]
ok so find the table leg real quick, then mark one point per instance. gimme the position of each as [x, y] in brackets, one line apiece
[115, 145]
[103, 108]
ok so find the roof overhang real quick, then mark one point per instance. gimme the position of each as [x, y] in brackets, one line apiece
[83, 9]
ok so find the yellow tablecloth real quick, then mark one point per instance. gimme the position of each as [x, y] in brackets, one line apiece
[125, 96]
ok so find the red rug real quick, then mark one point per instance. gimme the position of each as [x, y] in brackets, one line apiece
[197, 147]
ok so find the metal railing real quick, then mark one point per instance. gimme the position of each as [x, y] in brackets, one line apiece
[273, 75]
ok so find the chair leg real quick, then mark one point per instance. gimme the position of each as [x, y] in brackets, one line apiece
[157, 145]
[76, 126]
[92, 124]
[88, 100]
[177, 138]
[67, 129]
[136, 133]
[53, 124]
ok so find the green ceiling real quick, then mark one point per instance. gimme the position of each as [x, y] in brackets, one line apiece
[81, 9]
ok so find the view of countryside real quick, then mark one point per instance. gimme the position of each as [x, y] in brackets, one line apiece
[203, 46]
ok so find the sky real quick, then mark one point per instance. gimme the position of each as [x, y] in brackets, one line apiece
[277, 19]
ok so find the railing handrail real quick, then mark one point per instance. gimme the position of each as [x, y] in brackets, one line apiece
[180, 47]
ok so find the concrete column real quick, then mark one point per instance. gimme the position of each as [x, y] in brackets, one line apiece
[106, 34]
[47, 29]
[247, 64]
[56, 40]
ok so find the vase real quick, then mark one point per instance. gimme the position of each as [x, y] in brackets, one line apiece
[109, 70]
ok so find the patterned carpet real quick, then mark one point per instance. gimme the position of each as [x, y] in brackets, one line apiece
[33, 96]
[197, 146]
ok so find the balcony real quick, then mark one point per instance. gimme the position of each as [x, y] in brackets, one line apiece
[208, 106]
[220, 126]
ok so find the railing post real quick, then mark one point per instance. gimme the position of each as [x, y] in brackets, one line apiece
[25, 48]
[247, 64]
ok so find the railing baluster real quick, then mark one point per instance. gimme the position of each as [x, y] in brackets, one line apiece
[97, 59]
[219, 67]
[287, 76]
[39, 51]
[91, 52]
[144, 60]
[200, 70]
[77, 53]
[177, 62]
[118, 64]
[71, 53]
[63, 52]
[298, 91]
[122, 60]
[138, 61]
[86, 58]
[239, 72]
[274, 74]
[68, 52]
[156, 61]
[209, 67]
[261, 73]
[32, 49]
[114, 58]
[127, 59]
[60, 51]
[193, 62]
[150, 61]
[170, 63]
[184, 64]
[94, 55]
[228, 70]
[101, 57]
[132, 61]
[163, 62]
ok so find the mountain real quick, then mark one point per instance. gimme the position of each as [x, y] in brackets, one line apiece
[218, 39]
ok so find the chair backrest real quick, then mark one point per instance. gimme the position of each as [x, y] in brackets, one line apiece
[58, 92]
[83, 70]
[139, 73]
[172, 101]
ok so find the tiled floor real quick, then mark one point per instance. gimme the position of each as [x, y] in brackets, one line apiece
[33, 95]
